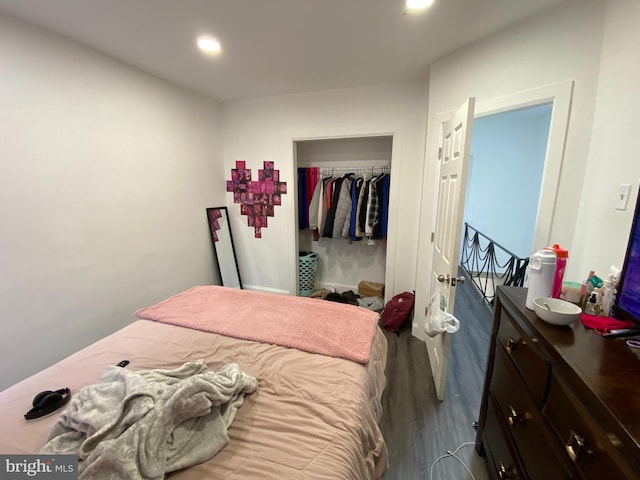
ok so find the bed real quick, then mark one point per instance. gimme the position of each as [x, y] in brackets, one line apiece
[312, 416]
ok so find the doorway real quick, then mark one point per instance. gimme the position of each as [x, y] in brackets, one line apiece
[342, 261]
[559, 95]
[504, 181]
[505, 174]
[346, 146]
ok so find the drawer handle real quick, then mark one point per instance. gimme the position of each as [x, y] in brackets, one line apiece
[574, 446]
[514, 417]
[513, 345]
[506, 472]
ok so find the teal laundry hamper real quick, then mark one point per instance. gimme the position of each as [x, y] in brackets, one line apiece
[307, 269]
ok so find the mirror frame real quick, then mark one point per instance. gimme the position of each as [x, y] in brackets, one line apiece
[213, 242]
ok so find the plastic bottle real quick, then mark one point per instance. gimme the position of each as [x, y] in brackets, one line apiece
[609, 292]
[607, 296]
[592, 307]
[561, 265]
[542, 265]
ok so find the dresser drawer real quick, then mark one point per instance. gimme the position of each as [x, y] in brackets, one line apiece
[595, 451]
[503, 461]
[533, 368]
[538, 449]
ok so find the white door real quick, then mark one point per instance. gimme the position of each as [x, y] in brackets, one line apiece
[452, 183]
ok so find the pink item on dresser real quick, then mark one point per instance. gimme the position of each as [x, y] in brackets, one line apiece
[312, 325]
[561, 264]
[604, 324]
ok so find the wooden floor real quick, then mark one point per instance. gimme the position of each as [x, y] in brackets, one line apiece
[416, 426]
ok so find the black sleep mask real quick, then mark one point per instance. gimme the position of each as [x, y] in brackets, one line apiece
[47, 402]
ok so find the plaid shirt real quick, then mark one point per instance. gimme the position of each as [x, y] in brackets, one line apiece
[373, 210]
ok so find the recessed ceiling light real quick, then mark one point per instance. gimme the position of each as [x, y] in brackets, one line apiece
[209, 45]
[418, 4]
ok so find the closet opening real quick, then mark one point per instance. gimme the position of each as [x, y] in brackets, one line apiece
[347, 250]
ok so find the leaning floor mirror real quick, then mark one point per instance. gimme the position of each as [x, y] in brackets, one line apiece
[223, 248]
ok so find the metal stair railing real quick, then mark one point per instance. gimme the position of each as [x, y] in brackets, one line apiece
[488, 264]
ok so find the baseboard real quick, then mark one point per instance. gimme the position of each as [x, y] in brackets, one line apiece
[259, 288]
[339, 287]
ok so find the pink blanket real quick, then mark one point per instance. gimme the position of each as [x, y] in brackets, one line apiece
[308, 324]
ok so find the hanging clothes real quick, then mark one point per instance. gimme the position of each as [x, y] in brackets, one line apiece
[356, 188]
[384, 208]
[372, 210]
[312, 178]
[307, 179]
[343, 209]
[314, 209]
[303, 213]
[324, 204]
[377, 228]
[332, 206]
[362, 209]
[350, 207]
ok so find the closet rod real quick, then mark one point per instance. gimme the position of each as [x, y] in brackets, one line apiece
[357, 170]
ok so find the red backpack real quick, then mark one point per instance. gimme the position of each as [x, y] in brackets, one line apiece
[397, 310]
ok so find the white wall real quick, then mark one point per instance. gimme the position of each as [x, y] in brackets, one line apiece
[106, 173]
[559, 45]
[262, 129]
[601, 231]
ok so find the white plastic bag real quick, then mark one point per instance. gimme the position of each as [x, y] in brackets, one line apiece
[438, 320]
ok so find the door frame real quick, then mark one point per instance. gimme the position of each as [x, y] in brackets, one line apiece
[392, 232]
[560, 95]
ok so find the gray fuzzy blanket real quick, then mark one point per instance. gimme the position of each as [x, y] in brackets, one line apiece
[145, 424]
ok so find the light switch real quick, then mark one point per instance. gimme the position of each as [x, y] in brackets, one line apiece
[623, 196]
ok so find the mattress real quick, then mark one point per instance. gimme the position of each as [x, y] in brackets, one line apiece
[312, 416]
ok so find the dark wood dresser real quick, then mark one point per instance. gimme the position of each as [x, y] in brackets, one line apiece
[558, 402]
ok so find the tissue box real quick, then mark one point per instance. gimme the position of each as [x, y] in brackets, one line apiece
[371, 289]
[571, 292]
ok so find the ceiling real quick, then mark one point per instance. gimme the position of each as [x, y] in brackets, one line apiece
[275, 46]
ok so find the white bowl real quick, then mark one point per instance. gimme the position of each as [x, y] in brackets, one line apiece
[560, 312]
